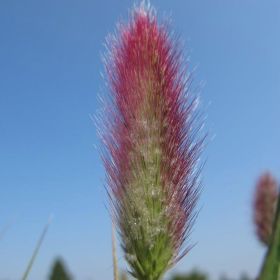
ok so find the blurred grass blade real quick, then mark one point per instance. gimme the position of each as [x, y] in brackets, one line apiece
[114, 252]
[36, 250]
[271, 266]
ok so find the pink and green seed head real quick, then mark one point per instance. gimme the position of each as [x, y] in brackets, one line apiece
[151, 149]
[265, 203]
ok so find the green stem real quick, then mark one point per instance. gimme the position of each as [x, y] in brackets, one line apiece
[271, 266]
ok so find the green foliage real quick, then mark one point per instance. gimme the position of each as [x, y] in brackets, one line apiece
[242, 277]
[195, 275]
[59, 271]
[245, 277]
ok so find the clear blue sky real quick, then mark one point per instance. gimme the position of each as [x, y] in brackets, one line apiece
[49, 84]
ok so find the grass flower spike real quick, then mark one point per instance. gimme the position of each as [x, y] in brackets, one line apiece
[151, 145]
[265, 204]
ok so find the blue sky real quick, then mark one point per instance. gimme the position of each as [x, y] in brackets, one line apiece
[49, 84]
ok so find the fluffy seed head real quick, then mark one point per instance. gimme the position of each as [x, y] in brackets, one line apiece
[151, 145]
[265, 204]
